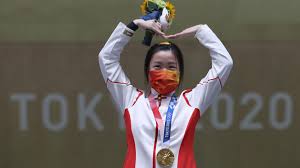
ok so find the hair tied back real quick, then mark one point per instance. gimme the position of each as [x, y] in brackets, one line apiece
[165, 43]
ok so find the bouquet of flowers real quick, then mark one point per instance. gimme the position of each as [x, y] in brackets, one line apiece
[159, 10]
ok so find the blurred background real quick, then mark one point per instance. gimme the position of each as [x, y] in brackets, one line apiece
[55, 111]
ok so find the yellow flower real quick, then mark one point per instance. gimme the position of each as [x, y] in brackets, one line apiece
[171, 8]
[144, 7]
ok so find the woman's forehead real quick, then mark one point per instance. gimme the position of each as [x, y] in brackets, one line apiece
[164, 56]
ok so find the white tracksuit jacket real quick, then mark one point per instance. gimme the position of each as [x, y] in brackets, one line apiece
[141, 130]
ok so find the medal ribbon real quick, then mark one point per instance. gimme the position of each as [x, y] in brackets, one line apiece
[166, 133]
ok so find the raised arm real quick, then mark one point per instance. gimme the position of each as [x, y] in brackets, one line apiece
[119, 86]
[210, 86]
[203, 95]
[116, 80]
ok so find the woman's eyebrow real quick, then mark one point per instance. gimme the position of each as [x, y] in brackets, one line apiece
[171, 63]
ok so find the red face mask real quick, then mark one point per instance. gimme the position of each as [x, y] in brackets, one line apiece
[164, 81]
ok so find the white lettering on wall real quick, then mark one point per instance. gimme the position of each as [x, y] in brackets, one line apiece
[46, 110]
[23, 99]
[86, 110]
[287, 112]
[278, 112]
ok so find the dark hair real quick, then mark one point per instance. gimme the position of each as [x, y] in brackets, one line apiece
[164, 46]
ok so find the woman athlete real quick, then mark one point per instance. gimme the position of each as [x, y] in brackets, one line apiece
[160, 125]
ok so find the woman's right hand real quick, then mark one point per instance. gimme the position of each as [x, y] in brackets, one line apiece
[149, 24]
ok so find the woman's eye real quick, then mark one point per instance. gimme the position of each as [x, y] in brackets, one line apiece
[156, 66]
[172, 67]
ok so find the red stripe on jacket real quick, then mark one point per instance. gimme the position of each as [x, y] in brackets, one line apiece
[186, 152]
[130, 158]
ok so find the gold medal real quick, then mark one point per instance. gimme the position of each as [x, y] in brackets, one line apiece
[165, 157]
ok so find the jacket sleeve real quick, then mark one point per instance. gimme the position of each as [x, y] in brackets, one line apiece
[210, 86]
[119, 86]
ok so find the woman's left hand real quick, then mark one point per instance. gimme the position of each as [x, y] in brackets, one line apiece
[191, 31]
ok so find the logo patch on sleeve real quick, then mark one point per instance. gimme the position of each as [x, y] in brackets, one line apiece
[128, 33]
